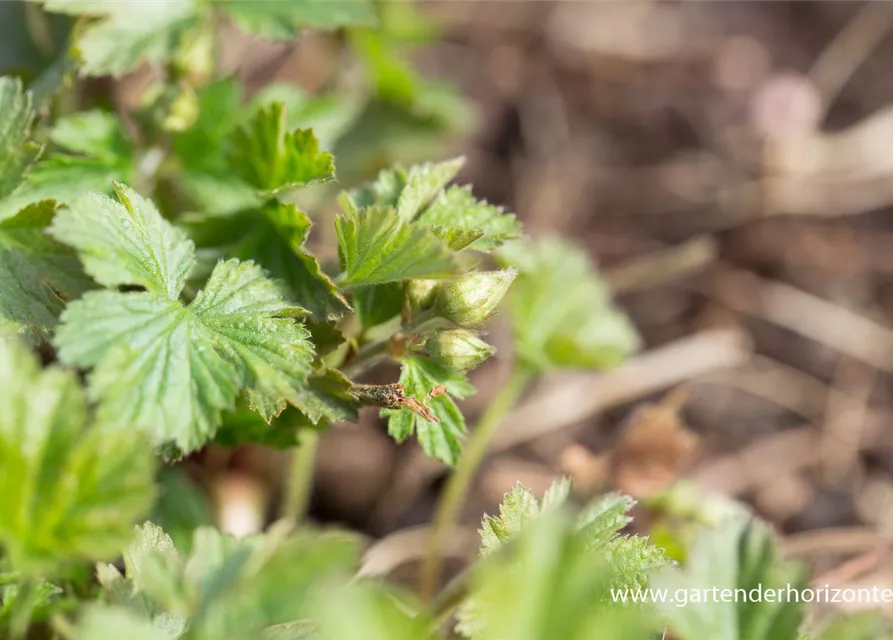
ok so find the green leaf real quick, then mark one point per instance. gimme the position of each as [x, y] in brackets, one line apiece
[162, 365]
[328, 115]
[561, 310]
[43, 598]
[547, 585]
[95, 134]
[200, 147]
[384, 191]
[273, 236]
[517, 509]
[126, 242]
[70, 491]
[133, 33]
[423, 183]
[740, 554]
[441, 440]
[465, 221]
[17, 153]
[628, 561]
[866, 625]
[374, 615]
[231, 588]
[375, 246]
[152, 564]
[378, 303]
[104, 155]
[64, 178]
[313, 289]
[297, 630]
[172, 368]
[284, 20]
[244, 426]
[601, 520]
[218, 193]
[394, 79]
[37, 274]
[326, 398]
[182, 505]
[102, 622]
[271, 159]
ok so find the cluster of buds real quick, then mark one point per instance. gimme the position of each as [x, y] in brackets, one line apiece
[467, 301]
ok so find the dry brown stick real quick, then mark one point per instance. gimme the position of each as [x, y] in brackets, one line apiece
[835, 540]
[808, 315]
[405, 545]
[570, 398]
[853, 568]
[849, 49]
[662, 265]
[774, 456]
[779, 383]
[844, 422]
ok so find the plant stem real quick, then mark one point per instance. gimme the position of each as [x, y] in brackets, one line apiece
[459, 482]
[368, 355]
[22, 608]
[300, 483]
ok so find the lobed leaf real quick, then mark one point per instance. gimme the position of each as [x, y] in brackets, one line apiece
[561, 311]
[374, 615]
[126, 242]
[420, 377]
[132, 33]
[17, 153]
[375, 246]
[172, 368]
[94, 133]
[299, 268]
[468, 222]
[740, 554]
[423, 183]
[37, 274]
[274, 236]
[162, 365]
[228, 588]
[547, 585]
[271, 159]
[70, 491]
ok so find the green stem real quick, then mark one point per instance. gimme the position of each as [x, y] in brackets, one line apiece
[300, 481]
[23, 608]
[459, 482]
[368, 355]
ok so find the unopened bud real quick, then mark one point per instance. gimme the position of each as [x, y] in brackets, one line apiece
[458, 349]
[183, 111]
[420, 294]
[470, 300]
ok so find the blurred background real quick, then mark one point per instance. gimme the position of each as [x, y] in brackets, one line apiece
[729, 165]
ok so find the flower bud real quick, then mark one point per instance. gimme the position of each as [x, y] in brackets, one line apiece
[420, 294]
[458, 349]
[183, 111]
[471, 299]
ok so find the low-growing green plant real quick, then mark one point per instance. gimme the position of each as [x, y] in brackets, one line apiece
[160, 291]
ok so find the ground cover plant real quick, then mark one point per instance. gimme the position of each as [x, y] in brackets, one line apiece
[158, 294]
